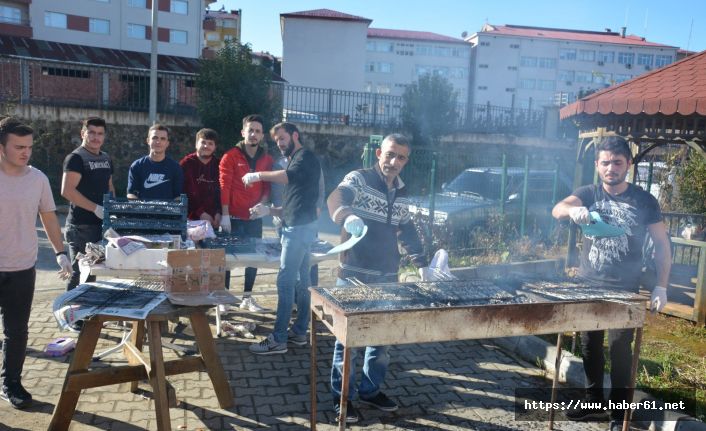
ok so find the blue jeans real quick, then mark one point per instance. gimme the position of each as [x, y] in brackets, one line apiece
[293, 277]
[375, 363]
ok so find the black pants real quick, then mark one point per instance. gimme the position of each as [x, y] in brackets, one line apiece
[620, 345]
[16, 294]
[245, 229]
[77, 235]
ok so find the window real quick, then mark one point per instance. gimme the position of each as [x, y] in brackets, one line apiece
[69, 73]
[621, 78]
[645, 59]
[485, 44]
[101, 26]
[528, 61]
[567, 54]
[606, 56]
[136, 31]
[179, 6]
[584, 76]
[380, 46]
[177, 36]
[547, 63]
[431, 70]
[229, 23]
[54, 19]
[382, 88]
[626, 58]
[527, 84]
[458, 72]
[228, 37]
[213, 36]
[482, 66]
[378, 66]
[514, 46]
[602, 78]
[482, 87]
[423, 50]
[546, 85]
[459, 52]
[510, 90]
[137, 3]
[512, 68]
[442, 51]
[565, 75]
[587, 55]
[663, 60]
[11, 15]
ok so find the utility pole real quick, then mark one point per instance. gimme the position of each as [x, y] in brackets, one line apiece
[153, 63]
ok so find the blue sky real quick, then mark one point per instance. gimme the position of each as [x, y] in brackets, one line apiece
[661, 21]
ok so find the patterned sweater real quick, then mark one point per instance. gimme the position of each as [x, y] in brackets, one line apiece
[376, 257]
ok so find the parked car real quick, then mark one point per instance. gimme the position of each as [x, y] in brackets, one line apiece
[470, 199]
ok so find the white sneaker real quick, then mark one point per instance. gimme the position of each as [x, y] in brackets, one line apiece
[251, 305]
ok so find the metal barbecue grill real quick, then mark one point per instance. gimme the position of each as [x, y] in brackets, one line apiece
[402, 313]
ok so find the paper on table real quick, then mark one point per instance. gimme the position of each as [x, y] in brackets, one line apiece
[353, 240]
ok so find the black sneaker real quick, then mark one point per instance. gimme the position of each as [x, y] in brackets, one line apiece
[589, 412]
[381, 402]
[16, 395]
[351, 412]
[299, 340]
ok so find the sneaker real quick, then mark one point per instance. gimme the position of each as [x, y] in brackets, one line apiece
[251, 305]
[587, 413]
[268, 346]
[299, 340]
[380, 402]
[77, 326]
[351, 412]
[16, 395]
[615, 426]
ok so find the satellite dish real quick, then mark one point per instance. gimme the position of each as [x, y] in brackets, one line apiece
[464, 34]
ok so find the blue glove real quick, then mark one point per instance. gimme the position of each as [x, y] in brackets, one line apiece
[354, 225]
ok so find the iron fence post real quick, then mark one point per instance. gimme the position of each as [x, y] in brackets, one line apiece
[503, 179]
[555, 184]
[375, 109]
[523, 213]
[432, 194]
[329, 106]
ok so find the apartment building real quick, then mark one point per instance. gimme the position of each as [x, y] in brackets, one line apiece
[534, 66]
[115, 24]
[220, 26]
[329, 49]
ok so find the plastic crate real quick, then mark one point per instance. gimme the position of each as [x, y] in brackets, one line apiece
[141, 217]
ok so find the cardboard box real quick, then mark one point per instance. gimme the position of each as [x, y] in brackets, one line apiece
[197, 277]
[147, 259]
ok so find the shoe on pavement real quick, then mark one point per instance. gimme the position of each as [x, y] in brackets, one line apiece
[380, 402]
[251, 305]
[615, 425]
[299, 340]
[587, 413]
[16, 395]
[352, 415]
[268, 346]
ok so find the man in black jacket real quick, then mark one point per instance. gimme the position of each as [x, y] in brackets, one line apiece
[375, 197]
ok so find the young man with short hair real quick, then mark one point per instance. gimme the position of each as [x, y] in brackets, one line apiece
[201, 179]
[24, 193]
[88, 175]
[155, 176]
[615, 262]
[236, 199]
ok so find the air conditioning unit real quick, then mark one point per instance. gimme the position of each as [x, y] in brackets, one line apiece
[600, 63]
[628, 66]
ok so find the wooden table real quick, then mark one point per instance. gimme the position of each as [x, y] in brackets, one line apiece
[79, 375]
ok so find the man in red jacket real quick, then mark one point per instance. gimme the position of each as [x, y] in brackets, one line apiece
[201, 179]
[248, 156]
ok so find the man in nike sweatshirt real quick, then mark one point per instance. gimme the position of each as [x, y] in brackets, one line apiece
[155, 176]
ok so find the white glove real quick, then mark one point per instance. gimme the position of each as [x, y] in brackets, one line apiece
[98, 212]
[276, 221]
[251, 177]
[426, 274]
[65, 265]
[658, 299]
[225, 224]
[354, 225]
[258, 211]
[580, 215]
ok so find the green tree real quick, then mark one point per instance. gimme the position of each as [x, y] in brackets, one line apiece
[230, 87]
[691, 183]
[429, 109]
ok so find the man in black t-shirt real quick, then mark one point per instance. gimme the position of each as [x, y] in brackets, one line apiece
[88, 175]
[298, 215]
[615, 262]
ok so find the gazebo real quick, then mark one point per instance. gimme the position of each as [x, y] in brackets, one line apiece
[665, 107]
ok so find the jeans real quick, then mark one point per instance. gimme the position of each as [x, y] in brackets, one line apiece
[314, 272]
[293, 277]
[245, 229]
[619, 342]
[77, 235]
[16, 294]
[375, 363]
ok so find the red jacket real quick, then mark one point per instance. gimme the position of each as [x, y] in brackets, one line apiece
[239, 198]
[201, 186]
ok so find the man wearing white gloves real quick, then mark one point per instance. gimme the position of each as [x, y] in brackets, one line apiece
[615, 262]
[299, 220]
[375, 197]
[24, 193]
[88, 175]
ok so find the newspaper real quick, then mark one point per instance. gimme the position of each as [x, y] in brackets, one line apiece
[115, 297]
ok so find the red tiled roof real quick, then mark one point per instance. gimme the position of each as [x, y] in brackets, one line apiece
[679, 88]
[325, 14]
[42, 49]
[409, 34]
[564, 34]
